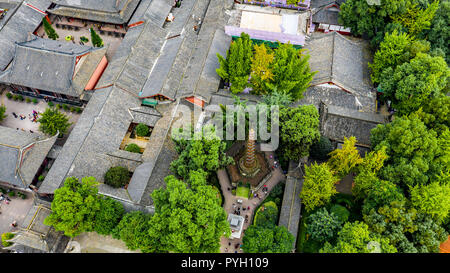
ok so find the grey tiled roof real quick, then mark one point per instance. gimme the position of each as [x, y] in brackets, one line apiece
[338, 122]
[326, 16]
[21, 155]
[322, 3]
[108, 11]
[200, 78]
[342, 62]
[154, 10]
[11, 6]
[335, 96]
[24, 21]
[49, 65]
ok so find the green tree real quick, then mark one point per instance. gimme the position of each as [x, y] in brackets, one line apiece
[356, 237]
[345, 160]
[396, 49]
[117, 176]
[432, 199]
[409, 85]
[75, 206]
[411, 148]
[417, 19]
[439, 32]
[133, 148]
[318, 186]
[204, 152]
[236, 68]
[435, 113]
[323, 226]
[276, 239]
[396, 222]
[52, 121]
[2, 112]
[373, 161]
[429, 235]
[186, 220]
[142, 130]
[291, 72]
[95, 38]
[109, 216]
[49, 30]
[261, 71]
[133, 230]
[367, 18]
[299, 129]
[267, 216]
[321, 148]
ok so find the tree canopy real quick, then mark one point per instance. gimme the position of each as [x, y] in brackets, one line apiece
[345, 160]
[276, 239]
[186, 220]
[412, 149]
[323, 226]
[409, 85]
[75, 206]
[52, 121]
[318, 186]
[299, 129]
[355, 237]
[205, 152]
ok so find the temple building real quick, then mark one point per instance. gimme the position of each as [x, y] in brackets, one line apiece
[59, 70]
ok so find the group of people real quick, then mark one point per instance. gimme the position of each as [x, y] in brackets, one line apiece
[33, 117]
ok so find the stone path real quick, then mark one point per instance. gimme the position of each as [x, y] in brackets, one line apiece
[24, 108]
[228, 245]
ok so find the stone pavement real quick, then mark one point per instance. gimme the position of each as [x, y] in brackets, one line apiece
[24, 108]
[16, 210]
[226, 244]
[91, 242]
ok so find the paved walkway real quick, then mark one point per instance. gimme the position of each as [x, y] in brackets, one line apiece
[26, 109]
[16, 210]
[228, 245]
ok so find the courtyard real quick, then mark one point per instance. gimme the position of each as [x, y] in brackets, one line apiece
[16, 210]
[91, 242]
[111, 35]
[247, 206]
[26, 109]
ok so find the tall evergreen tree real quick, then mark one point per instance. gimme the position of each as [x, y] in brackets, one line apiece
[291, 72]
[49, 30]
[96, 39]
[235, 69]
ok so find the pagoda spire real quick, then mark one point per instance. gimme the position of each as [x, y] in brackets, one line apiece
[250, 154]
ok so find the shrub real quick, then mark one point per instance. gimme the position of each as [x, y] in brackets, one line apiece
[72, 109]
[341, 212]
[41, 178]
[321, 149]
[51, 104]
[134, 148]
[15, 97]
[20, 97]
[65, 107]
[84, 39]
[78, 110]
[117, 177]
[58, 106]
[9, 95]
[34, 100]
[28, 100]
[7, 236]
[12, 193]
[268, 216]
[142, 130]
[23, 196]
